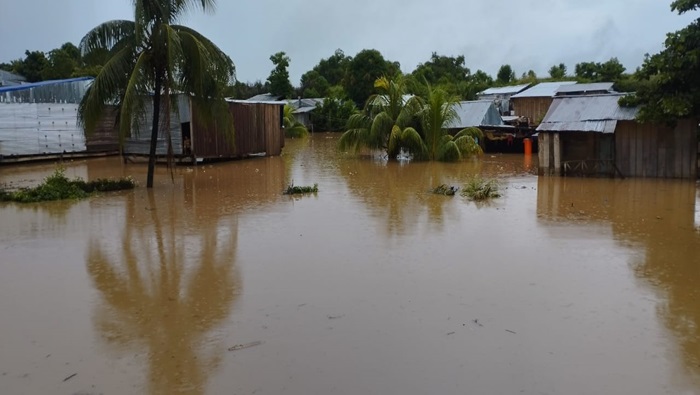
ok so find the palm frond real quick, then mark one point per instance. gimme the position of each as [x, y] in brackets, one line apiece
[412, 141]
[449, 152]
[107, 88]
[107, 35]
[468, 146]
[472, 132]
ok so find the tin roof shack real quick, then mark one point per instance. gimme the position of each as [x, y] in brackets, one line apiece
[594, 135]
[257, 125]
[39, 121]
[534, 102]
[500, 96]
[303, 109]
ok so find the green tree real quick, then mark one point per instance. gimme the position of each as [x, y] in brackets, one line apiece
[610, 71]
[279, 76]
[363, 70]
[505, 75]
[669, 81]
[332, 115]
[334, 68]
[557, 72]
[60, 65]
[313, 84]
[441, 70]
[149, 58]
[31, 66]
[478, 82]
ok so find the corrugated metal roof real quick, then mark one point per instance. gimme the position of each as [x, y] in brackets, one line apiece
[543, 89]
[22, 87]
[10, 78]
[583, 88]
[476, 113]
[593, 113]
[504, 90]
[264, 97]
[304, 110]
[249, 101]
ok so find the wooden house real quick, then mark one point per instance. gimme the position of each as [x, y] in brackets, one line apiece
[258, 131]
[533, 103]
[594, 135]
[500, 96]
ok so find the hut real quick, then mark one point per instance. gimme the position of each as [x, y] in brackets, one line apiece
[258, 131]
[475, 114]
[39, 121]
[500, 96]
[594, 135]
[302, 109]
[533, 103]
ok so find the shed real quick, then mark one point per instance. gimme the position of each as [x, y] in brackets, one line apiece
[39, 120]
[303, 109]
[501, 96]
[257, 124]
[534, 102]
[475, 114]
[594, 135]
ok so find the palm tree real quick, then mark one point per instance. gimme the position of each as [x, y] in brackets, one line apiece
[387, 122]
[391, 122]
[150, 58]
[439, 113]
[292, 127]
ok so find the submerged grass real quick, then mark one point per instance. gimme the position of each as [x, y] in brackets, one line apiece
[299, 190]
[446, 190]
[478, 189]
[58, 187]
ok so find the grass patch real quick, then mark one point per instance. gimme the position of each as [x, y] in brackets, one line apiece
[446, 190]
[297, 190]
[478, 189]
[58, 187]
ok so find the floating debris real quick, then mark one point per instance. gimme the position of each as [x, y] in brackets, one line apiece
[245, 345]
[447, 190]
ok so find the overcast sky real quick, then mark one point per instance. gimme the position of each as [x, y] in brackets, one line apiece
[527, 34]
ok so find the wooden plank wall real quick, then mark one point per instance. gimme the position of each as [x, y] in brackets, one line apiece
[653, 150]
[258, 129]
[534, 108]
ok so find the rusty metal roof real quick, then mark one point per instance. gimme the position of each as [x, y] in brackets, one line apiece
[543, 89]
[592, 113]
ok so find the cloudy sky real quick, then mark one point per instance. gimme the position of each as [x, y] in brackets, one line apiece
[528, 34]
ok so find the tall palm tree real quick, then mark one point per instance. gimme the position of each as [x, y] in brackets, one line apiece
[387, 122]
[150, 58]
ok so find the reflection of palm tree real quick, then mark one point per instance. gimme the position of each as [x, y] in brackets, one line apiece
[162, 296]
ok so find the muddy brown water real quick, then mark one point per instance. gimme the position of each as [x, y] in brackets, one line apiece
[371, 286]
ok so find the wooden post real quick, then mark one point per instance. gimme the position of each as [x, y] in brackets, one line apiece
[557, 154]
[543, 153]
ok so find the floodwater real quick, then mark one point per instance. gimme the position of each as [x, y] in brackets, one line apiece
[371, 286]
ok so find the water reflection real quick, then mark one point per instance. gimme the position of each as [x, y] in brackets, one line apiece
[655, 216]
[166, 282]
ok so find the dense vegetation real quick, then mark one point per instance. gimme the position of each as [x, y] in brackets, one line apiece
[58, 187]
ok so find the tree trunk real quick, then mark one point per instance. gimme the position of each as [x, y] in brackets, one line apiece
[154, 130]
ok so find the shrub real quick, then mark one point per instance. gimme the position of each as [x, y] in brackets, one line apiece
[58, 187]
[479, 189]
[297, 190]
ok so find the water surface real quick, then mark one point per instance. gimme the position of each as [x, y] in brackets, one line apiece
[371, 286]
